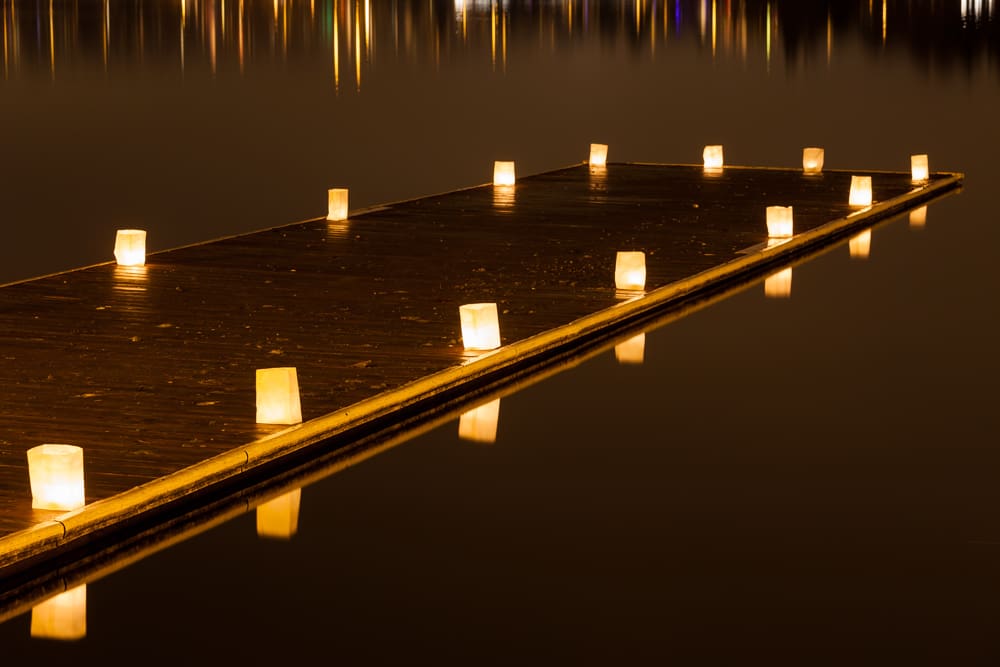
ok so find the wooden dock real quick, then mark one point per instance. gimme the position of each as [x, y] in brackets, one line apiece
[151, 370]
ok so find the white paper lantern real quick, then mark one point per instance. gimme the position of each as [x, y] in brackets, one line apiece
[503, 173]
[480, 424]
[598, 155]
[779, 285]
[631, 351]
[63, 616]
[130, 247]
[337, 199]
[812, 160]
[480, 326]
[630, 270]
[278, 518]
[712, 156]
[278, 396]
[918, 217]
[861, 191]
[860, 244]
[56, 476]
[779, 222]
[919, 168]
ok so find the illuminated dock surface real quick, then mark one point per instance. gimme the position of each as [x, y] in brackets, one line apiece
[151, 370]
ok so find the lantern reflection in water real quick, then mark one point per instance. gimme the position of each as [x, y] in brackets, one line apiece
[278, 396]
[56, 476]
[598, 155]
[503, 173]
[919, 170]
[337, 204]
[860, 244]
[779, 222]
[779, 285]
[278, 518]
[712, 158]
[130, 247]
[861, 191]
[812, 160]
[480, 326]
[630, 270]
[480, 423]
[631, 351]
[61, 617]
[918, 217]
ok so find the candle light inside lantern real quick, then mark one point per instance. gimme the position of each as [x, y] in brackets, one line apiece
[63, 616]
[56, 476]
[630, 270]
[130, 247]
[503, 173]
[598, 155]
[278, 396]
[480, 424]
[278, 518]
[631, 351]
[860, 244]
[337, 203]
[480, 326]
[812, 160]
[779, 285]
[779, 222]
[712, 157]
[861, 191]
[919, 169]
[918, 217]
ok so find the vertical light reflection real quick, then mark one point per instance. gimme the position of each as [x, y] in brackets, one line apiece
[62, 617]
[368, 27]
[503, 40]
[105, 32]
[278, 518]
[860, 244]
[493, 33]
[52, 44]
[767, 37]
[336, 49]
[829, 37]
[779, 285]
[183, 23]
[480, 423]
[918, 218]
[239, 35]
[714, 27]
[357, 50]
[212, 19]
[631, 351]
[884, 19]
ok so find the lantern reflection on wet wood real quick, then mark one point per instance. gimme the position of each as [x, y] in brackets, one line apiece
[503, 173]
[630, 270]
[56, 476]
[861, 191]
[480, 424]
[860, 244]
[598, 155]
[337, 203]
[712, 157]
[631, 351]
[480, 326]
[63, 616]
[779, 222]
[812, 160]
[130, 247]
[779, 285]
[278, 396]
[278, 518]
[919, 170]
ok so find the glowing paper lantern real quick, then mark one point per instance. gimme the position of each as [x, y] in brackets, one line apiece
[480, 326]
[779, 222]
[130, 247]
[56, 476]
[480, 424]
[712, 155]
[812, 160]
[278, 518]
[860, 245]
[278, 396]
[918, 217]
[598, 155]
[779, 285]
[337, 209]
[861, 191]
[632, 350]
[61, 617]
[630, 270]
[918, 168]
[503, 173]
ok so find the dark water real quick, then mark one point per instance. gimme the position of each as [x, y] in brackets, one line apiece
[813, 479]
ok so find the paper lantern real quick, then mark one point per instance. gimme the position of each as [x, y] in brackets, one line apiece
[632, 350]
[598, 155]
[919, 168]
[861, 191]
[278, 396]
[278, 518]
[337, 204]
[480, 326]
[56, 476]
[130, 247]
[63, 616]
[503, 173]
[630, 270]
[860, 245]
[779, 285]
[480, 424]
[812, 160]
[918, 217]
[779, 222]
[712, 155]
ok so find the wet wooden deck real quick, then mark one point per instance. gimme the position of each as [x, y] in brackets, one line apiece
[152, 370]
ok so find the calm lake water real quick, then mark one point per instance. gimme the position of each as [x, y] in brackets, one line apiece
[813, 479]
